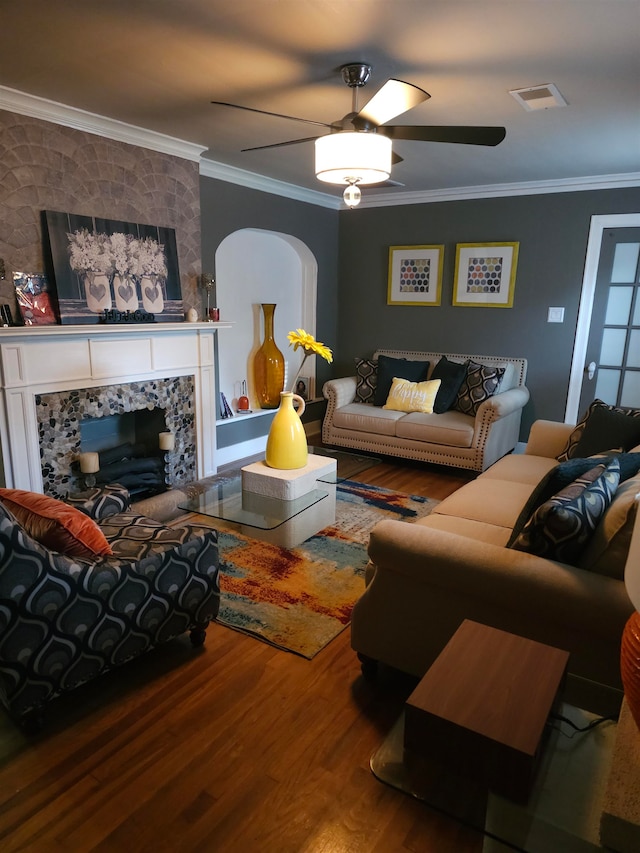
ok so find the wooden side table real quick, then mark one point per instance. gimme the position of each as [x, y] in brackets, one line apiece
[482, 707]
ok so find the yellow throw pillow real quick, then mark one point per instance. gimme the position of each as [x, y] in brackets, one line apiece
[408, 396]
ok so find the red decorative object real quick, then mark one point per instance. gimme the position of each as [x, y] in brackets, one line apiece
[630, 664]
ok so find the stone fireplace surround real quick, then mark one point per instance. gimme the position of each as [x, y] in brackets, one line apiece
[61, 413]
[52, 376]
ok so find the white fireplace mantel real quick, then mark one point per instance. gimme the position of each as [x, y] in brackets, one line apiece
[40, 359]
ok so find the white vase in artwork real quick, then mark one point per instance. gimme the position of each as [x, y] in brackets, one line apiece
[152, 299]
[97, 291]
[124, 291]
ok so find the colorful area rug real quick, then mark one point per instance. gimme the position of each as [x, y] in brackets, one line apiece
[300, 599]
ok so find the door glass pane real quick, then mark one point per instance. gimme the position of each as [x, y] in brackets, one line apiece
[618, 306]
[636, 311]
[607, 386]
[612, 351]
[633, 356]
[631, 389]
[625, 262]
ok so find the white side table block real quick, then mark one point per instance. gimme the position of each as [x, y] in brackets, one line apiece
[287, 485]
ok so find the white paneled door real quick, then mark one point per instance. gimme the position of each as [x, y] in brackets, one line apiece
[612, 360]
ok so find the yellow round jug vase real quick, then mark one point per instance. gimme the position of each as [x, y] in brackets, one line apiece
[287, 441]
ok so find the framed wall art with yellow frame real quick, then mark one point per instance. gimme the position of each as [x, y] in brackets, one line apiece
[415, 275]
[485, 274]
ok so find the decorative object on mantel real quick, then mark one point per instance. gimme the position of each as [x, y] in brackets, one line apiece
[268, 364]
[287, 440]
[192, 315]
[34, 299]
[630, 648]
[102, 263]
[207, 282]
[112, 315]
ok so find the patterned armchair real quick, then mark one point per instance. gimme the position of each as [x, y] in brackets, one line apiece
[65, 619]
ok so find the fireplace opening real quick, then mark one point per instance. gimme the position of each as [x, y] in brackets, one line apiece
[128, 450]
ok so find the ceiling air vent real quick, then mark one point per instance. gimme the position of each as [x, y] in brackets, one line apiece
[538, 97]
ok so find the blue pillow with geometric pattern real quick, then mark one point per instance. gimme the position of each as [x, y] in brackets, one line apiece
[561, 527]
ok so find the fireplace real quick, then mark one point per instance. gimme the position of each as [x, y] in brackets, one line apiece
[55, 377]
[61, 416]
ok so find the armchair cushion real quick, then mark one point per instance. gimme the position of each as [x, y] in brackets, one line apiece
[55, 524]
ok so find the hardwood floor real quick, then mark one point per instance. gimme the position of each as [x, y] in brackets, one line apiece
[233, 747]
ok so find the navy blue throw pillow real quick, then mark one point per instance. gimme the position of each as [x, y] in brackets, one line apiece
[397, 368]
[451, 375]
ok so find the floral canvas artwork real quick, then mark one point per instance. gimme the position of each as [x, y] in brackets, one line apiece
[125, 269]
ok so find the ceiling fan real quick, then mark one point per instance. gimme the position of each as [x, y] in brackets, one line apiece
[357, 150]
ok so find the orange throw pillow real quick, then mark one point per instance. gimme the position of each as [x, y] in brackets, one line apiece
[55, 524]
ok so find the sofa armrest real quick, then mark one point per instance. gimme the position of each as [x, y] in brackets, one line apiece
[507, 578]
[548, 438]
[340, 392]
[101, 502]
[503, 404]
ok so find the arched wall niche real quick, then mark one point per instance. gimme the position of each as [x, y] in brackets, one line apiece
[253, 266]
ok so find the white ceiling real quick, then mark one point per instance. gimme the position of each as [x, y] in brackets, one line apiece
[157, 64]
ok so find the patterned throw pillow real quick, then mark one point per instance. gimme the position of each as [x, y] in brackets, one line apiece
[366, 380]
[572, 448]
[561, 527]
[479, 384]
[408, 396]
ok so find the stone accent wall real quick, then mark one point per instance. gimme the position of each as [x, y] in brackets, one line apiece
[59, 415]
[44, 166]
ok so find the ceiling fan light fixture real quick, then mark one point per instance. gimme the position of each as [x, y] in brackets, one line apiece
[352, 195]
[350, 157]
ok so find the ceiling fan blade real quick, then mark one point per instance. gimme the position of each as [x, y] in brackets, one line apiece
[281, 144]
[394, 98]
[459, 134]
[267, 113]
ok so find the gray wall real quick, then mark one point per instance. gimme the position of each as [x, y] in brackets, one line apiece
[552, 230]
[225, 208]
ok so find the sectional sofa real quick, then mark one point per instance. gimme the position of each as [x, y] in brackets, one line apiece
[464, 561]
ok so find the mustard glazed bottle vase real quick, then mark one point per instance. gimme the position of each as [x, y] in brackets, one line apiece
[268, 365]
[287, 441]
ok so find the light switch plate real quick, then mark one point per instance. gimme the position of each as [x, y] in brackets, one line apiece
[555, 315]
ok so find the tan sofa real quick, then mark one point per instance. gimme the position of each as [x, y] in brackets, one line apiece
[425, 578]
[450, 438]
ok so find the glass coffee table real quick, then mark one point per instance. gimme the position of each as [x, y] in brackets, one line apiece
[284, 522]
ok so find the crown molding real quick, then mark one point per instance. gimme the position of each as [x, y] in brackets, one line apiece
[36, 107]
[562, 185]
[42, 108]
[233, 175]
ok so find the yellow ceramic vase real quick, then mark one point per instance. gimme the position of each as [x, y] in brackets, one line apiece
[287, 441]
